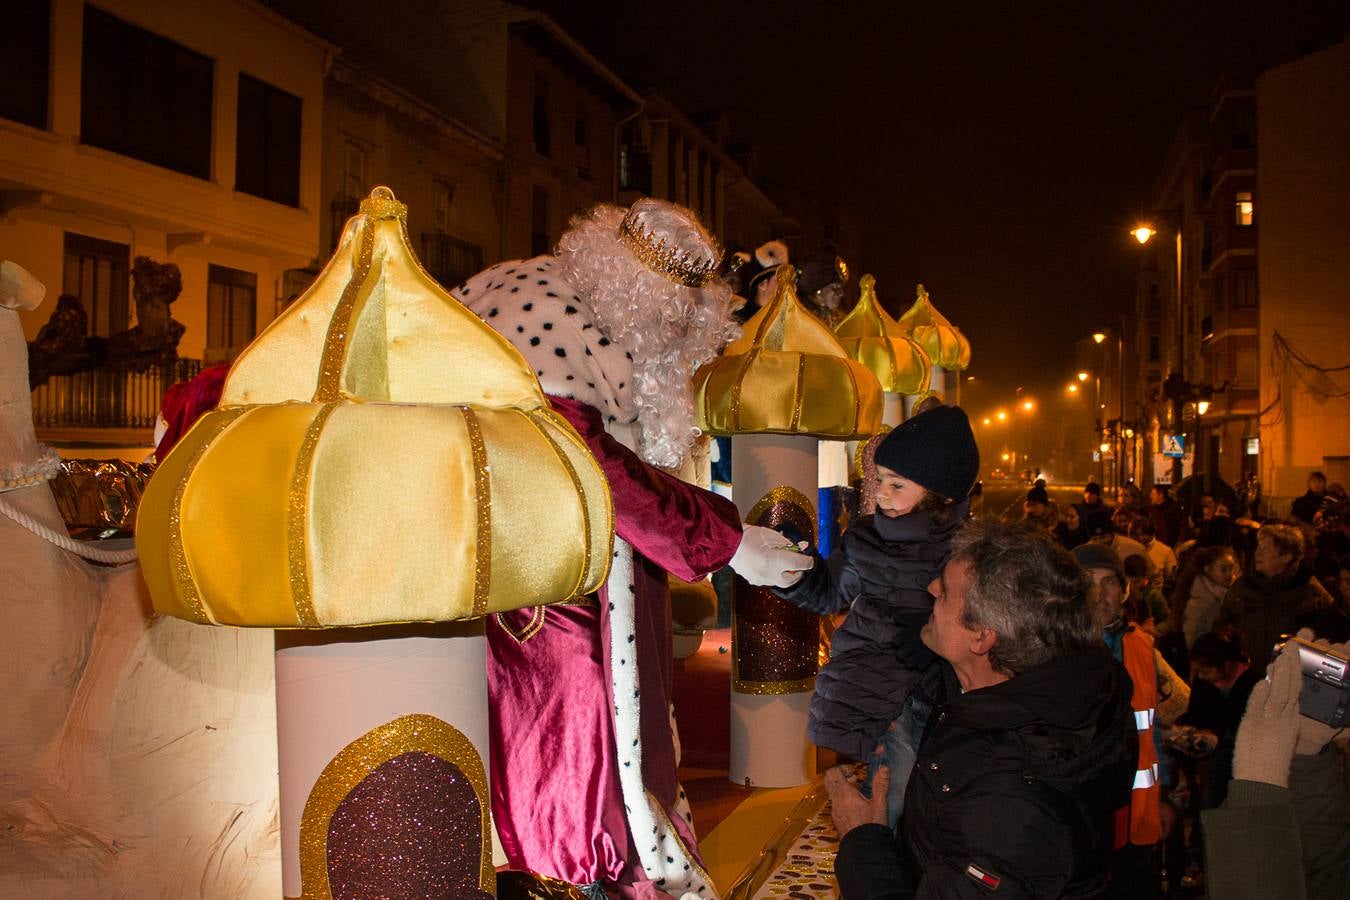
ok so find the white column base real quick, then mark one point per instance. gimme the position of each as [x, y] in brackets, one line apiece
[334, 686]
[768, 740]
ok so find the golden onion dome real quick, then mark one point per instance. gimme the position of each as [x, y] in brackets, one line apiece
[377, 456]
[874, 339]
[943, 341]
[787, 374]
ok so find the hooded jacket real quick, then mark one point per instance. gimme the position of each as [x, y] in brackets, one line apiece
[880, 573]
[1013, 792]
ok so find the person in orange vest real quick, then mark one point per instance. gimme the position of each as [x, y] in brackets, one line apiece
[1138, 825]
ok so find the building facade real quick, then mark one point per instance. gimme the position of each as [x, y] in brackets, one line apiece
[1304, 272]
[145, 128]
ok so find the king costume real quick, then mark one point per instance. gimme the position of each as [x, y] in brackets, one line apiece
[584, 745]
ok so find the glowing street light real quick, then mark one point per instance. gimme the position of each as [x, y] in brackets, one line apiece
[1143, 233]
[987, 420]
[1098, 336]
[1001, 415]
[1073, 388]
[1006, 457]
[1105, 447]
[1028, 405]
[1202, 407]
[1083, 376]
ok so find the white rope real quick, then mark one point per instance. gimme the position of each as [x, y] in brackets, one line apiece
[65, 542]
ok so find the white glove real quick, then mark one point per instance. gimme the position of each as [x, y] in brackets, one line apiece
[765, 557]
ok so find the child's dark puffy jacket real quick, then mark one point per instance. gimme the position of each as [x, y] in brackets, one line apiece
[880, 573]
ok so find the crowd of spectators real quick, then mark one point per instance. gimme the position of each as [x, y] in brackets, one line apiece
[1216, 588]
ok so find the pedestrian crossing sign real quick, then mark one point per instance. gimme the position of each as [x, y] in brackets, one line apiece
[1174, 445]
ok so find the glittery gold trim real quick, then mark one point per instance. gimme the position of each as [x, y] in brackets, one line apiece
[329, 387]
[178, 563]
[790, 495]
[297, 521]
[774, 688]
[566, 428]
[482, 486]
[531, 628]
[406, 734]
[799, 391]
[675, 836]
[382, 205]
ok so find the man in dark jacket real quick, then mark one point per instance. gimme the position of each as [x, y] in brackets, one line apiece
[1017, 778]
[1305, 507]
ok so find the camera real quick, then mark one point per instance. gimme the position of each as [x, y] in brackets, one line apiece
[1326, 683]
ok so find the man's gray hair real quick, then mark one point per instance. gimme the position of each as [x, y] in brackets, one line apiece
[1029, 591]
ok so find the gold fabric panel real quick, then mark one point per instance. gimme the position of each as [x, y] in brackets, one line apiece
[787, 374]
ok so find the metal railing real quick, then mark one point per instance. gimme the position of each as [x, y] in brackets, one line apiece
[107, 398]
[450, 260]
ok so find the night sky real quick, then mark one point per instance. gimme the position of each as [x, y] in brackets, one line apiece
[997, 152]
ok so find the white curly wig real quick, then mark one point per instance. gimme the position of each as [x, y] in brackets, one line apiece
[670, 329]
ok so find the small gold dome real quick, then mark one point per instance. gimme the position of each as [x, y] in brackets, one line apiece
[787, 374]
[943, 341]
[873, 338]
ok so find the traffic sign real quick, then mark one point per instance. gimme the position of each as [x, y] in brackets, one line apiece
[1174, 445]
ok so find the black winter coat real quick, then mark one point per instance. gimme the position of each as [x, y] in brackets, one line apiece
[1262, 608]
[1015, 786]
[880, 573]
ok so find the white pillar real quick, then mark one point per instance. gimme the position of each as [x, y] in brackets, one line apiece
[336, 685]
[771, 689]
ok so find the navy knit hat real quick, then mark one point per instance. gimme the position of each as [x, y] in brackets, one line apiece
[1099, 556]
[935, 449]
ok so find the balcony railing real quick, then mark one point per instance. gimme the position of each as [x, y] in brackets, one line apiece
[107, 398]
[450, 260]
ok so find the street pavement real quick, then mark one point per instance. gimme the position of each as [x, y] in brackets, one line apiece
[1003, 499]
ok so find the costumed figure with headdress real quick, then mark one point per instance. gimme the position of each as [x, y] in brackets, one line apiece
[584, 752]
[824, 276]
[759, 276]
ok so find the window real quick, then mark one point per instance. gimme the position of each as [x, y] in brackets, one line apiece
[231, 311]
[25, 47]
[1244, 211]
[540, 242]
[1246, 372]
[99, 274]
[1244, 127]
[1244, 288]
[583, 144]
[267, 157]
[144, 96]
[442, 196]
[353, 171]
[451, 262]
[542, 142]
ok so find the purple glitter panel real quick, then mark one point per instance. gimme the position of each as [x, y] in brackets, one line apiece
[774, 640]
[412, 828]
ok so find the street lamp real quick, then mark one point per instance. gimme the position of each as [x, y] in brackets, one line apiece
[1001, 415]
[1083, 376]
[1098, 337]
[1028, 405]
[1073, 388]
[1143, 233]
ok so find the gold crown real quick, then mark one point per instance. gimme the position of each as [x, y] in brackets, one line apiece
[681, 267]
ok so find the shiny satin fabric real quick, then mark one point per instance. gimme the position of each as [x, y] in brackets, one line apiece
[944, 343]
[787, 374]
[375, 545]
[379, 455]
[557, 800]
[874, 339]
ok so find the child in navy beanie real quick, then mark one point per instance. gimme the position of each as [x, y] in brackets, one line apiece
[880, 673]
